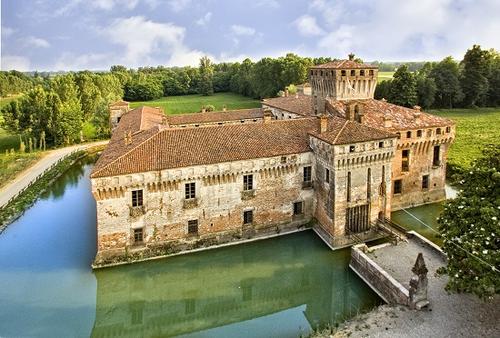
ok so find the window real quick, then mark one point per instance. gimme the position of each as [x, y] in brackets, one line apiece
[190, 190]
[118, 119]
[398, 134]
[283, 159]
[398, 187]
[438, 131]
[405, 160]
[298, 208]
[448, 129]
[137, 198]
[353, 72]
[327, 175]
[196, 125]
[307, 174]
[352, 149]
[220, 123]
[193, 226]
[425, 182]
[248, 217]
[419, 133]
[371, 72]
[369, 183]
[435, 157]
[247, 182]
[349, 186]
[343, 73]
[381, 144]
[362, 72]
[138, 235]
[408, 134]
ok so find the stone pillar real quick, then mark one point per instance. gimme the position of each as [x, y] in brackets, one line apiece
[418, 284]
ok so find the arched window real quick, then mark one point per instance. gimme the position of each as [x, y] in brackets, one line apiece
[362, 72]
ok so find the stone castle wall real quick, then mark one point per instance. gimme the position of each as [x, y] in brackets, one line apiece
[421, 158]
[219, 205]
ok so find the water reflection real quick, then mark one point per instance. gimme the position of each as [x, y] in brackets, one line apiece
[422, 219]
[296, 278]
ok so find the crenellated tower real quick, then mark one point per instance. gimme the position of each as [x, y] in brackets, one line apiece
[342, 80]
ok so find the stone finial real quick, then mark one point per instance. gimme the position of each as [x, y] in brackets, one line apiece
[418, 284]
[286, 92]
[419, 268]
[417, 108]
[127, 136]
[416, 115]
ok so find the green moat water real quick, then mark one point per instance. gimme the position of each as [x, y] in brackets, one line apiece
[281, 287]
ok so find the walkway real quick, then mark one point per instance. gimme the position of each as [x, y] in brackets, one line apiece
[30, 174]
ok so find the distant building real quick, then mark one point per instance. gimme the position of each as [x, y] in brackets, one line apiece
[336, 160]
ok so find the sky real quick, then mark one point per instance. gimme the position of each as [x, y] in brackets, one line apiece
[96, 34]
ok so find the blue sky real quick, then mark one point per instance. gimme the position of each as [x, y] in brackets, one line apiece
[95, 34]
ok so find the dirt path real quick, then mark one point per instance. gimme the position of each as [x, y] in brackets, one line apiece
[30, 174]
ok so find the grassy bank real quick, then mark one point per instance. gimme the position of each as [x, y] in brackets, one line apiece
[193, 103]
[475, 129]
[382, 76]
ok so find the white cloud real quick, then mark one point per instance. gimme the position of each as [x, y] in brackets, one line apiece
[407, 30]
[204, 20]
[7, 31]
[307, 26]
[179, 5]
[242, 30]
[33, 41]
[20, 63]
[148, 42]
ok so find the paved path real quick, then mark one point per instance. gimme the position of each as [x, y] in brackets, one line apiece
[30, 174]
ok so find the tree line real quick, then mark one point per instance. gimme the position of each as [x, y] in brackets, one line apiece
[472, 82]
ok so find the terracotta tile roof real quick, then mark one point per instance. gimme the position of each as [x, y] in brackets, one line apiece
[375, 111]
[174, 148]
[219, 116]
[343, 64]
[301, 105]
[137, 119]
[342, 131]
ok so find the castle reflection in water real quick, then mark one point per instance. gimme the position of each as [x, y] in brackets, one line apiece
[212, 289]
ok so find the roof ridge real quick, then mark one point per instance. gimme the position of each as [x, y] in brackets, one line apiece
[340, 131]
[129, 151]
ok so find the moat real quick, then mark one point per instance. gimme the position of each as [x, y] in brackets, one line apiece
[281, 287]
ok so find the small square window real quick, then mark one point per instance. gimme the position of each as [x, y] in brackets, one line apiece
[448, 129]
[381, 144]
[196, 125]
[247, 182]
[190, 190]
[193, 226]
[398, 187]
[353, 72]
[419, 133]
[438, 131]
[248, 217]
[298, 208]
[371, 72]
[425, 182]
[362, 72]
[138, 235]
[283, 159]
[327, 175]
[343, 73]
[352, 149]
[408, 134]
[137, 198]
[399, 135]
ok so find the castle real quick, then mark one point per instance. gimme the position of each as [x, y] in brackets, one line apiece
[337, 160]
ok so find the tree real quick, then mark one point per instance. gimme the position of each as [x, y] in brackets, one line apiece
[446, 77]
[473, 79]
[383, 90]
[494, 79]
[426, 91]
[206, 76]
[470, 228]
[403, 89]
[143, 88]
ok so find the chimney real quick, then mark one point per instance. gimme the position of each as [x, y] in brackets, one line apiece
[323, 123]
[286, 92]
[387, 121]
[416, 115]
[127, 136]
[268, 115]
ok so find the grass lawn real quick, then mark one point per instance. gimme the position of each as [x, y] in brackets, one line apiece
[193, 103]
[475, 128]
[382, 76]
[12, 165]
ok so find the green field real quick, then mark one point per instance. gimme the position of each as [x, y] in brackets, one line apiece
[193, 103]
[382, 76]
[475, 128]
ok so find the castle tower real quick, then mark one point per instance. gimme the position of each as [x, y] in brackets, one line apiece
[342, 80]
